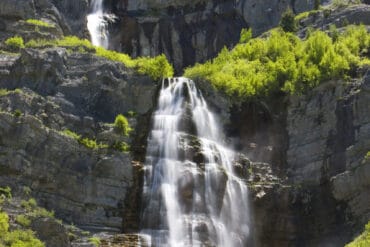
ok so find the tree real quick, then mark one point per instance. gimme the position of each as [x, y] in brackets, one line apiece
[288, 22]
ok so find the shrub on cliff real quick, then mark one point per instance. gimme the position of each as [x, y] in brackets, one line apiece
[283, 62]
[16, 238]
[122, 124]
[288, 22]
[15, 43]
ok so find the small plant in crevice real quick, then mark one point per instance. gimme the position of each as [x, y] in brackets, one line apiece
[121, 124]
[17, 113]
[121, 146]
[15, 43]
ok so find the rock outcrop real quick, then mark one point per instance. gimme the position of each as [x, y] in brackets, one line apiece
[190, 31]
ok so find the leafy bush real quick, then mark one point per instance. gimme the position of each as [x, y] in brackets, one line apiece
[4, 224]
[23, 220]
[15, 43]
[6, 192]
[95, 241]
[245, 35]
[121, 146]
[283, 62]
[288, 22]
[29, 205]
[17, 113]
[363, 240]
[39, 23]
[87, 142]
[22, 238]
[16, 238]
[122, 124]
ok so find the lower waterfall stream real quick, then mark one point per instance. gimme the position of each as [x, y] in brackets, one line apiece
[191, 196]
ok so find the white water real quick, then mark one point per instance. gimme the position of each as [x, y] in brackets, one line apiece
[97, 23]
[188, 203]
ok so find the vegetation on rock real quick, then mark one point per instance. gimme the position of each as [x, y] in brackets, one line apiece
[16, 237]
[282, 62]
[156, 67]
[39, 23]
[15, 43]
[87, 142]
[122, 124]
[363, 240]
[288, 22]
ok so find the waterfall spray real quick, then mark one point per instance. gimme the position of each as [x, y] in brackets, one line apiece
[97, 23]
[191, 196]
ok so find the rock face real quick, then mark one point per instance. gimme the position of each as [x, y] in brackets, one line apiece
[80, 92]
[190, 31]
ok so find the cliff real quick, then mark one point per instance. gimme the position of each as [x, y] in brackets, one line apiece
[308, 170]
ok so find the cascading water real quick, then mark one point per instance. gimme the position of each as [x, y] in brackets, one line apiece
[191, 196]
[97, 23]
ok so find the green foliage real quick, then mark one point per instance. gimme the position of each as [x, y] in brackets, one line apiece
[22, 238]
[283, 62]
[6, 192]
[4, 91]
[122, 124]
[344, 3]
[121, 146]
[71, 134]
[363, 240]
[16, 238]
[39, 23]
[288, 22]
[95, 241]
[87, 142]
[17, 113]
[15, 43]
[156, 67]
[367, 156]
[29, 205]
[245, 35]
[4, 224]
[317, 4]
[23, 220]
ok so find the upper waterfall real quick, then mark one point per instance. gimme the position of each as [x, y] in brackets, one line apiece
[97, 22]
[191, 196]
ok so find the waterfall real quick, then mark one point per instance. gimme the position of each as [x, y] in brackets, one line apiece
[97, 23]
[191, 196]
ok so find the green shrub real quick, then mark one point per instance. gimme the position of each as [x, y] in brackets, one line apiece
[21, 238]
[95, 241]
[39, 23]
[42, 213]
[283, 62]
[122, 124]
[317, 4]
[363, 240]
[6, 192]
[16, 238]
[15, 43]
[23, 220]
[121, 146]
[17, 113]
[245, 35]
[71, 134]
[29, 205]
[288, 22]
[4, 224]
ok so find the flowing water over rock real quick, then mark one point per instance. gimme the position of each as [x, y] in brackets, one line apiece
[191, 196]
[97, 23]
